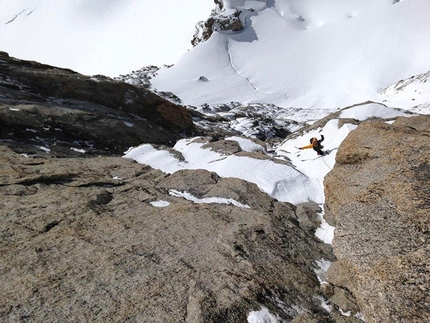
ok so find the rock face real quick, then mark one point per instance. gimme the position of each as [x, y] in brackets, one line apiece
[102, 239]
[56, 108]
[219, 20]
[378, 194]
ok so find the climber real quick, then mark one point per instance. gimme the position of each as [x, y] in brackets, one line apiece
[315, 145]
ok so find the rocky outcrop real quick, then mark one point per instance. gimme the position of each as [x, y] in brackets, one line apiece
[104, 239]
[378, 195]
[219, 20]
[56, 108]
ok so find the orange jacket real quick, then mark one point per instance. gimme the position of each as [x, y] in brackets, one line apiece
[315, 143]
[308, 146]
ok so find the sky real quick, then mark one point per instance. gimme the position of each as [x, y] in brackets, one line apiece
[108, 37]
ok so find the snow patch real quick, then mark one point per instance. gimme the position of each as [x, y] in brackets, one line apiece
[103, 37]
[78, 150]
[325, 232]
[247, 144]
[45, 149]
[128, 124]
[324, 304]
[321, 270]
[262, 316]
[363, 112]
[160, 203]
[280, 181]
[207, 200]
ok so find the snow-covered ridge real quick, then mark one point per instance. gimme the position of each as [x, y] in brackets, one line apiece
[297, 179]
[305, 54]
[412, 93]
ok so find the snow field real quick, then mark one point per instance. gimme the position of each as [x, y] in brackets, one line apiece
[307, 54]
[106, 37]
[280, 181]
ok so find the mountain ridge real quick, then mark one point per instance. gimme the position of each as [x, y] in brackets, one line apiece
[328, 64]
[214, 213]
[76, 221]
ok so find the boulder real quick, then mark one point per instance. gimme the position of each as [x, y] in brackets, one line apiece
[378, 195]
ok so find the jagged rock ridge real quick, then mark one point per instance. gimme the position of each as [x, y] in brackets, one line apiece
[48, 106]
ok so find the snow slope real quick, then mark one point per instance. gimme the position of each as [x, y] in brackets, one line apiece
[108, 37]
[296, 184]
[305, 53]
[280, 181]
[293, 53]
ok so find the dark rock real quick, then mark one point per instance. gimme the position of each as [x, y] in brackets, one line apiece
[59, 109]
[307, 215]
[218, 21]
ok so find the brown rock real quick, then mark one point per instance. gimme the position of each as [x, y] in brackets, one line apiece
[378, 195]
[81, 241]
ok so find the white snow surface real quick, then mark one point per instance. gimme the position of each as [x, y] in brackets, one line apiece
[280, 181]
[306, 53]
[377, 110]
[160, 203]
[108, 37]
[262, 316]
[323, 54]
[246, 144]
[207, 200]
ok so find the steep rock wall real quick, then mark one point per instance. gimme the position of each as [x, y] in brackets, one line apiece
[378, 195]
